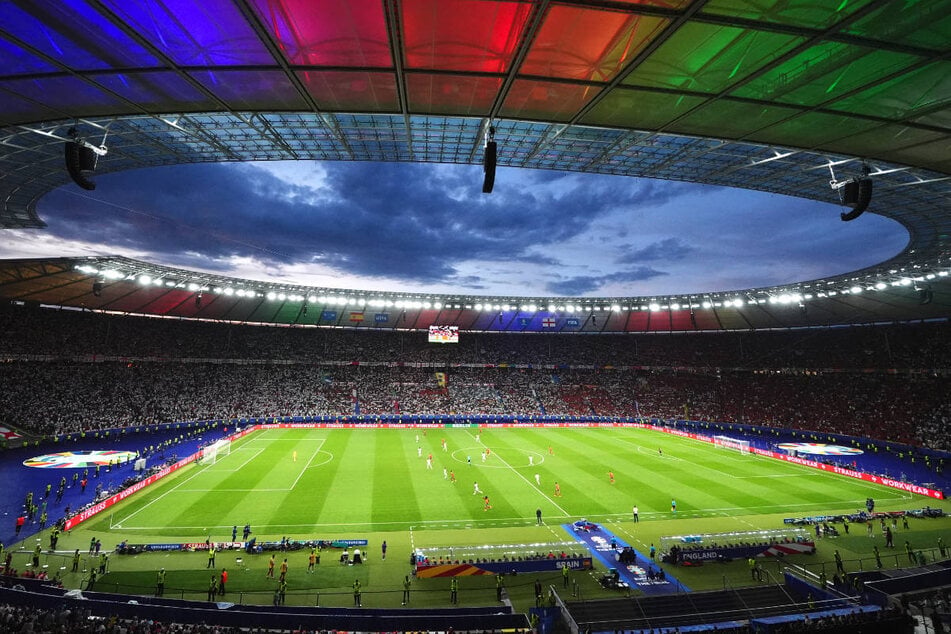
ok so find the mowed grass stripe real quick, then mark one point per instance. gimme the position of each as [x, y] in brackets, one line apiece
[347, 480]
[395, 493]
[349, 491]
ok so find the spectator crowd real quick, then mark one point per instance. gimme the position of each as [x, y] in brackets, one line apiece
[66, 371]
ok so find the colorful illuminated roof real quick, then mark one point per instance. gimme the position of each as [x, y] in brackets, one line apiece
[758, 94]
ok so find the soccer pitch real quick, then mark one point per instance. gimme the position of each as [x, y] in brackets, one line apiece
[374, 484]
[304, 483]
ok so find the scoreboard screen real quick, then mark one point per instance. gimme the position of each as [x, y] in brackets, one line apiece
[444, 334]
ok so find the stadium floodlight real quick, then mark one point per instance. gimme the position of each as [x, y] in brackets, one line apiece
[271, 296]
[881, 286]
[477, 307]
[655, 307]
[145, 280]
[856, 290]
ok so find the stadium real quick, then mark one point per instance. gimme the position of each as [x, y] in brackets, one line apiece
[235, 455]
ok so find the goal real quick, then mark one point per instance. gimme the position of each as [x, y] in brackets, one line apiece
[743, 446]
[212, 452]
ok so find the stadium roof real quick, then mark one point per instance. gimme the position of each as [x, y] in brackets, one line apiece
[758, 94]
[126, 286]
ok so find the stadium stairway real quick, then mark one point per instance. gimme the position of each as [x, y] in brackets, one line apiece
[677, 610]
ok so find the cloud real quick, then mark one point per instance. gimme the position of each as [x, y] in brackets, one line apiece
[398, 221]
[397, 226]
[668, 249]
[583, 284]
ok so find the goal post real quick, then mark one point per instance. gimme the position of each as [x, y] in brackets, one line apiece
[726, 442]
[215, 450]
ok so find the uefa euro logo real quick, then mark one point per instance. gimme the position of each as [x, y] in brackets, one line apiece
[79, 459]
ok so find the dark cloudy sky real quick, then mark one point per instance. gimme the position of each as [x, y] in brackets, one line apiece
[416, 227]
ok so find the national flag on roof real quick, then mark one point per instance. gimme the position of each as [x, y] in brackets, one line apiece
[355, 316]
[548, 322]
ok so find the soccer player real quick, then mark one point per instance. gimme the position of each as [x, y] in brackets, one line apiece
[636, 516]
[356, 593]
[538, 480]
[429, 462]
[283, 570]
[452, 477]
[531, 460]
[611, 476]
[270, 568]
[551, 450]
[445, 473]
[484, 454]
[557, 490]
[475, 488]
[311, 561]
[673, 506]
[295, 456]
[485, 501]
[419, 452]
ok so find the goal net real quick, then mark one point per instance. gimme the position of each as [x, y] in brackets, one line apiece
[725, 442]
[212, 452]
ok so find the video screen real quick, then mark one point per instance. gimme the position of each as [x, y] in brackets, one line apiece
[444, 334]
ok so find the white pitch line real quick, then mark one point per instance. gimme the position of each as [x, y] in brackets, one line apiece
[527, 481]
[255, 490]
[455, 523]
[148, 504]
[258, 453]
[812, 471]
[312, 456]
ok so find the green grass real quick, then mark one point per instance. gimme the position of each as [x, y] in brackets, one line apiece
[362, 483]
